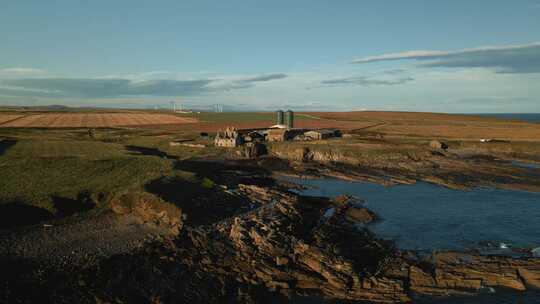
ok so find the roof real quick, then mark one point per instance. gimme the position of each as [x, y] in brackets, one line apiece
[323, 131]
[277, 131]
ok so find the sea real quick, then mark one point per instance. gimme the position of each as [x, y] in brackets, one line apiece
[426, 217]
[528, 117]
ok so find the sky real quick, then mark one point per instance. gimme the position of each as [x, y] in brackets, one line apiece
[439, 56]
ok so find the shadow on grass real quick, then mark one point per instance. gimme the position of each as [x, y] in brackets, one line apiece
[6, 144]
[230, 173]
[202, 204]
[67, 206]
[203, 200]
[16, 214]
[150, 152]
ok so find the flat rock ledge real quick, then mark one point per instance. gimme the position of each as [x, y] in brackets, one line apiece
[292, 246]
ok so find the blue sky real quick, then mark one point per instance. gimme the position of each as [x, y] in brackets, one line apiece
[452, 56]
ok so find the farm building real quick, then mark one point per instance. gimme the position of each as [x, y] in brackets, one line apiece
[283, 134]
[254, 136]
[321, 134]
[277, 135]
[230, 138]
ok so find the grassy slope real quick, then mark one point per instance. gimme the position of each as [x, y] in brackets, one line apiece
[33, 171]
[46, 163]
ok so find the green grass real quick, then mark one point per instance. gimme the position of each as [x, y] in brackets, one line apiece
[515, 149]
[227, 117]
[351, 153]
[44, 164]
[91, 150]
[36, 180]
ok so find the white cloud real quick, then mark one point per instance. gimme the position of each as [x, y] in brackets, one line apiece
[20, 72]
[524, 58]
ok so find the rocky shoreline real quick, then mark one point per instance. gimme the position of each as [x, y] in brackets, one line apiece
[265, 245]
[456, 169]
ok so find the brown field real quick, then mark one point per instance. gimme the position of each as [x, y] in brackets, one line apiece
[436, 125]
[391, 124]
[89, 120]
[4, 118]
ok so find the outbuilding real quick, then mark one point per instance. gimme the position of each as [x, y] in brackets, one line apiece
[320, 134]
[277, 135]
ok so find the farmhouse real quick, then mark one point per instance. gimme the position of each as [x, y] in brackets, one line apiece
[230, 138]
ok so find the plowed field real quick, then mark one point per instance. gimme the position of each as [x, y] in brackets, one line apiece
[89, 120]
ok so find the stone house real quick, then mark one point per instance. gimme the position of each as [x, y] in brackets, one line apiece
[230, 138]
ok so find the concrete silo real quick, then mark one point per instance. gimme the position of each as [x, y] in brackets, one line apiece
[280, 120]
[289, 119]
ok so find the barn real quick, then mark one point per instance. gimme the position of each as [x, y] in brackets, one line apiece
[320, 134]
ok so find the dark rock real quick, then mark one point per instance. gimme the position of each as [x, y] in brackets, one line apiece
[360, 215]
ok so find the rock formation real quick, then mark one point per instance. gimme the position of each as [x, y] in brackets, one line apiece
[299, 246]
[149, 210]
[284, 248]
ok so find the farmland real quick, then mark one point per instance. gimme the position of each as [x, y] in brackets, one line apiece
[60, 186]
[429, 125]
[4, 118]
[392, 124]
[44, 161]
[88, 120]
[399, 125]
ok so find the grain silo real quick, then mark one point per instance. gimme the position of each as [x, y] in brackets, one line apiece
[289, 119]
[279, 117]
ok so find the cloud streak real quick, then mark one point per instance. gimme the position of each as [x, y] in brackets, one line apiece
[265, 77]
[20, 72]
[504, 59]
[364, 81]
[119, 87]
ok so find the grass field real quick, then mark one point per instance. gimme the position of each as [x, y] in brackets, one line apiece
[40, 166]
[34, 171]
[212, 122]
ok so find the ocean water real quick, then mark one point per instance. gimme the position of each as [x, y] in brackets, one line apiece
[428, 217]
[529, 117]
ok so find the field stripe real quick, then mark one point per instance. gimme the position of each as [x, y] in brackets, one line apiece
[12, 120]
[93, 120]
